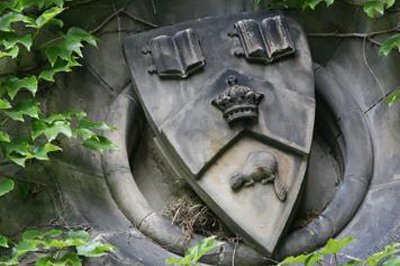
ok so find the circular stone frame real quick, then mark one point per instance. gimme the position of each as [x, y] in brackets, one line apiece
[126, 114]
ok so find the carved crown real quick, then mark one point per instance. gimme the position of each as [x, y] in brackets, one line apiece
[238, 102]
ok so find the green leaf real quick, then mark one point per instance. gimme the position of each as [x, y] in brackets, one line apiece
[44, 261]
[374, 8]
[312, 4]
[84, 133]
[17, 151]
[68, 46]
[95, 249]
[39, 3]
[392, 261]
[13, 85]
[59, 67]
[4, 104]
[335, 245]
[10, 39]
[301, 259]
[3, 241]
[174, 261]
[78, 235]
[393, 98]
[4, 137]
[389, 250]
[89, 124]
[99, 143]
[78, 114]
[12, 52]
[53, 233]
[46, 17]
[8, 19]
[196, 252]
[26, 107]
[6, 185]
[32, 234]
[71, 259]
[390, 44]
[9, 261]
[51, 131]
[26, 246]
[41, 152]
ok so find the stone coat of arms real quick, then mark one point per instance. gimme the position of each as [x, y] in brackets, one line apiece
[231, 100]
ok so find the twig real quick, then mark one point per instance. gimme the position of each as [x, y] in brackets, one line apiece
[107, 20]
[353, 34]
[370, 68]
[143, 21]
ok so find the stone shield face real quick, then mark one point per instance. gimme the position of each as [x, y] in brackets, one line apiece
[231, 101]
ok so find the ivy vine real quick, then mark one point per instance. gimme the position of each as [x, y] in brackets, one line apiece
[33, 27]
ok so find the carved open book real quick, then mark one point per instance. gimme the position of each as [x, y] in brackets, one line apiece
[178, 55]
[265, 41]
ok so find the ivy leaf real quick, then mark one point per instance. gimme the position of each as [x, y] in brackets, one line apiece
[13, 85]
[39, 3]
[301, 259]
[9, 18]
[9, 261]
[26, 107]
[6, 185]
[335, 245]
[313, 259]
[374, 259]
[12, 52]
[71, 259]
[196, 252]
[69, 45]
[77, 35]
[374, 8]
[89, 124]
[17, 152]
[32, 234]
[7, 4]
[95, 249]
[41, 152]
[393, 261]
[59, 67]
[389, 44]
[53, 233]
[4, 104]
[393, 98]
[4, 137]
[99, 143]
[51, 131]
[26, 246]
[312, 4]
[3, 241]
[78, 114]
[46, 17]
[44, 261]
[84, 133]
[10, 39]
[78, 235]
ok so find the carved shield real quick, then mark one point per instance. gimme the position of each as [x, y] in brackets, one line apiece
[231, 101]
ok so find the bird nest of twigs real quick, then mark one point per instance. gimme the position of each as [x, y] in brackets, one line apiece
[194, 217]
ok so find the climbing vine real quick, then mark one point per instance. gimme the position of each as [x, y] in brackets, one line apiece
[33, 26]
[32, 29]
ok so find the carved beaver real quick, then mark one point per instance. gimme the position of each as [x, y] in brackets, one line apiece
[259, 167]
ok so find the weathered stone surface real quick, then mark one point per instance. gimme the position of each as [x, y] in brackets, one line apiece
[78, 173]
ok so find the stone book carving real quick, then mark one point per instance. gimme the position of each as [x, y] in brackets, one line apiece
[265, 41]
[176, 56]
